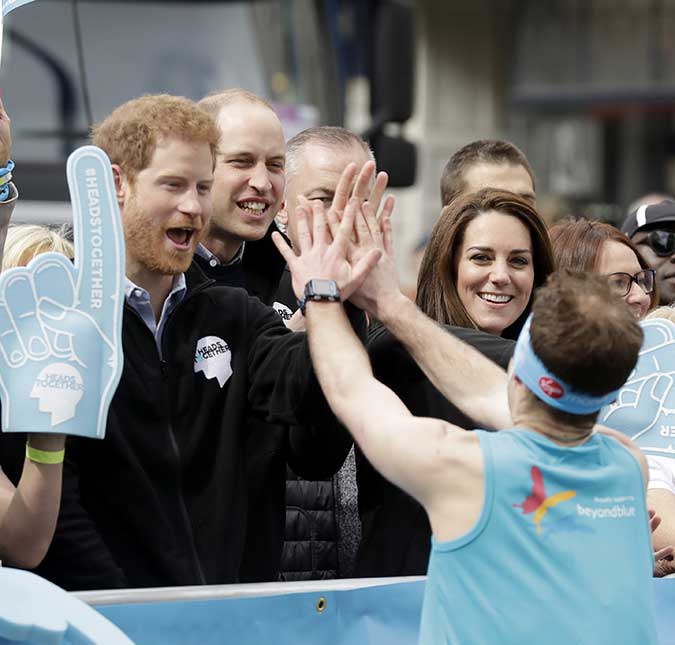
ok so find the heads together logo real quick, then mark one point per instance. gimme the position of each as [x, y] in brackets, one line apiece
[58, 388]
[538, 502]
[214, 358]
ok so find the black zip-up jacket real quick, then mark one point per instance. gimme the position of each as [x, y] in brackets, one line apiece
[396, 535]
[269, 448]
[162, 499]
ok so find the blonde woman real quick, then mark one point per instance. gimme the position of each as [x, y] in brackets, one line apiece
[25, 241]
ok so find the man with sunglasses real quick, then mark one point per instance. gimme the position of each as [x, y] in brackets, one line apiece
[652, 229]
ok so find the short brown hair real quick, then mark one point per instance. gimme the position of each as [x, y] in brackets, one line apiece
[437, 293]
[582, 334]
[130, 134]
[324, 135]
[577, 246]
[213, 103]
[484, 150]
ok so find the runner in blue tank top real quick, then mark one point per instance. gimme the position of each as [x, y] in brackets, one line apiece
[540, 532]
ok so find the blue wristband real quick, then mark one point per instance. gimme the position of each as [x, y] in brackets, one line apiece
[7, 169]
[4, 189]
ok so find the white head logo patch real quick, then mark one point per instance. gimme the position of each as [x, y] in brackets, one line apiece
[284, 312]
[213, 357]
[58, 388]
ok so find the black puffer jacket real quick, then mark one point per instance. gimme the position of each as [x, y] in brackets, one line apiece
[322, 525]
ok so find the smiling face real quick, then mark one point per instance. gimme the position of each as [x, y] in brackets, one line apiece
[494, 269]
[249, 177]
[317, 176]
[166, 209]
[619, 258]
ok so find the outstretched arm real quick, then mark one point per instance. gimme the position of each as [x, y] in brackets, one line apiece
[409, 451]
[465, 377]
[28, 513]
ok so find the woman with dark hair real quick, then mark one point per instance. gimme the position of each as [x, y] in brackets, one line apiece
[487, 254]
[585, 245]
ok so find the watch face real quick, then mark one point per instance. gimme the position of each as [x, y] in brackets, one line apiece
[326, 288]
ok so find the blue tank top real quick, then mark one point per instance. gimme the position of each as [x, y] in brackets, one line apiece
[561, 553]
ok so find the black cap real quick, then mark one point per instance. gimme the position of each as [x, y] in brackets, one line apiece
[649, 216]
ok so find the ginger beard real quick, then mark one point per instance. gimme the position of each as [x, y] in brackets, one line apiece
[147, 242]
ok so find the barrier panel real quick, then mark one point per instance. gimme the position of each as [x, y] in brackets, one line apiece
[341, 612]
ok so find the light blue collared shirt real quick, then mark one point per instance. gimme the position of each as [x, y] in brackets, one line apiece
[139, 300]
[214, 260]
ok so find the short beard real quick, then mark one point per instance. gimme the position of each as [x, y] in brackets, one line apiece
[146, 242]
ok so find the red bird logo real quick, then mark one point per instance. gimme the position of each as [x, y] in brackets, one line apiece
[537, 502]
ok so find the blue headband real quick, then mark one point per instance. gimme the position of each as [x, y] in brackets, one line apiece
[549, 388]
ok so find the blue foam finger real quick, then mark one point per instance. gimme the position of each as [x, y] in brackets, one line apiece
[645, 407]
[69, 316]
[37, 611]
[56, 280]
[18, 294]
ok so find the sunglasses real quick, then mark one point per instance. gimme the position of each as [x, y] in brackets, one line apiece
[620, 283]
[661, 242]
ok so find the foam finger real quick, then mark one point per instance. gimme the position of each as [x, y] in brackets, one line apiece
[11, 349]
[54, 279]
[98, 236]
[18, 294]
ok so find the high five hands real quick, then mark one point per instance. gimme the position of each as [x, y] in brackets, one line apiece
[348, 243]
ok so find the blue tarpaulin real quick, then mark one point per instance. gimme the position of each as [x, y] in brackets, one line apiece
[375, 615]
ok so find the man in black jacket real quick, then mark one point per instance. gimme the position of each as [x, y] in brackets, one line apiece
[162, 500]
[322, 523]
[237, 251]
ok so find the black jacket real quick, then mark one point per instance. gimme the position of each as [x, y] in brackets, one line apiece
[258, 272]
[162, 499]
[273, 450]
[311, 535]
[396, 536]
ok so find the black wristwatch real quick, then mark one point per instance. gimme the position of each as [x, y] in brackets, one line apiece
[320, 290]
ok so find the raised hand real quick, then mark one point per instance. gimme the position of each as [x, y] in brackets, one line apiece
[60, 323]
[323, 255]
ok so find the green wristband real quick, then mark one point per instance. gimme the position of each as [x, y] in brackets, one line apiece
[45, 456]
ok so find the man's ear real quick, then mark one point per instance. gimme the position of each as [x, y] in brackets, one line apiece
[282, 215]
[120, 183]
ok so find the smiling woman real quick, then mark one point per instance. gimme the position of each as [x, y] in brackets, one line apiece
[486, 255]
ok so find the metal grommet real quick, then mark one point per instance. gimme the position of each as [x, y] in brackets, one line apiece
[321, 604]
